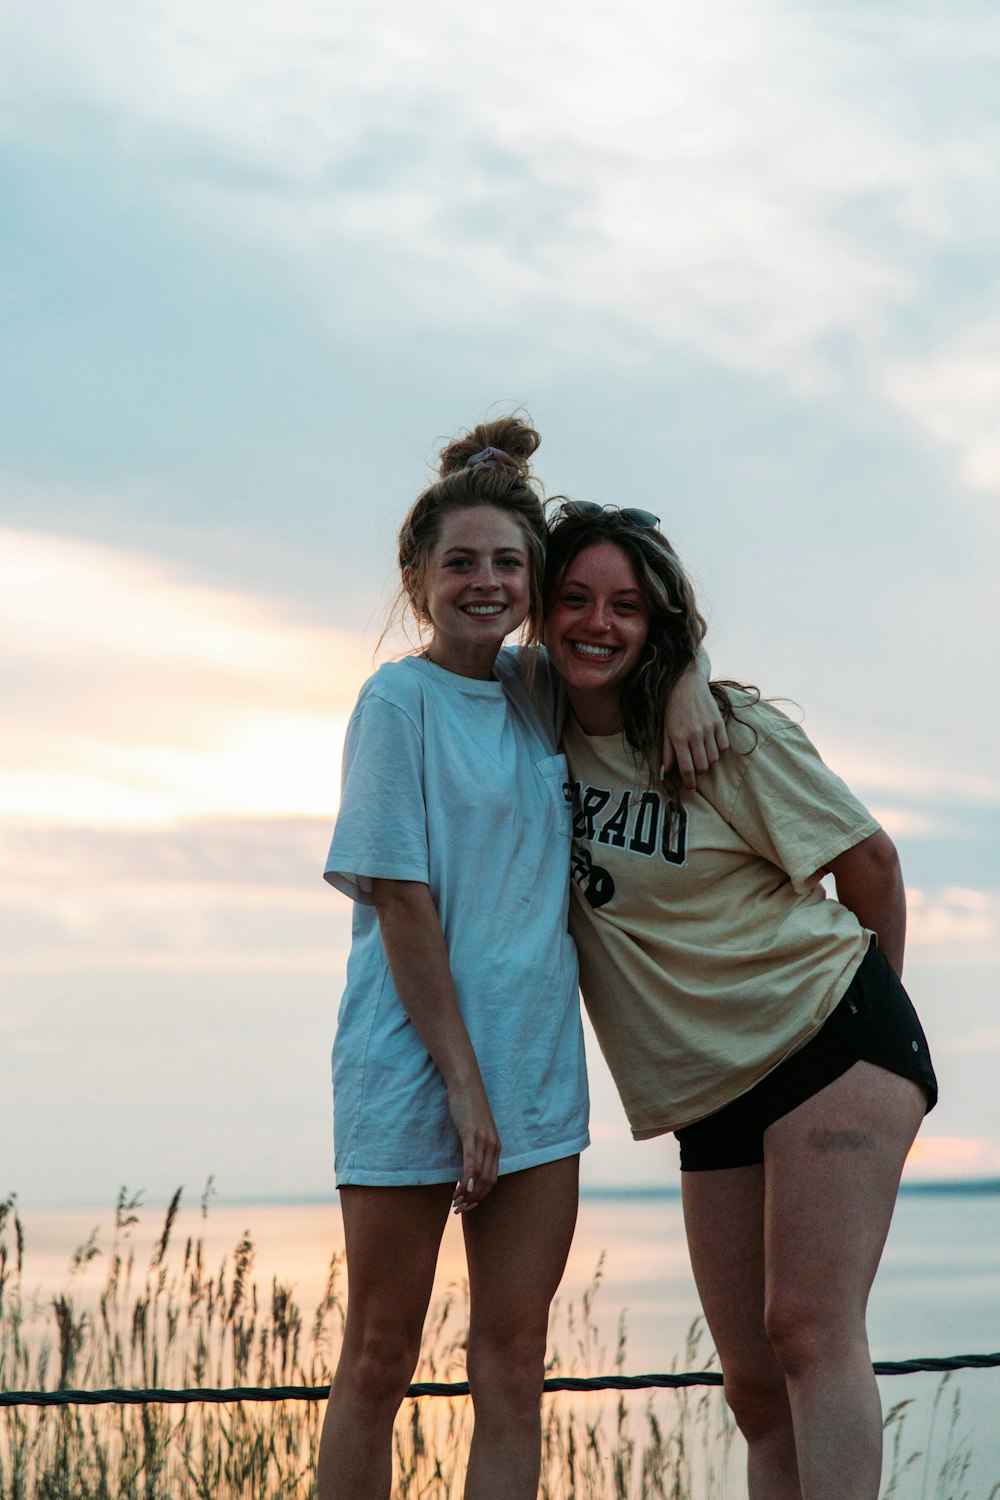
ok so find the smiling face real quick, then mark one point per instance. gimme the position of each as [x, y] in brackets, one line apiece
[595, 632]
[476, 588]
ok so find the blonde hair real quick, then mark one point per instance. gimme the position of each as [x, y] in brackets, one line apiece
[503, 480]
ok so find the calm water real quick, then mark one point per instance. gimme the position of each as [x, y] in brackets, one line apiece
[937, 1293]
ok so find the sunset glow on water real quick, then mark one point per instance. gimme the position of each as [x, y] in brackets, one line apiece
[935, 1294]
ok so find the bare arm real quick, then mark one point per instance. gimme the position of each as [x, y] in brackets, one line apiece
[870, 884]
[694, 735]
[418, 960]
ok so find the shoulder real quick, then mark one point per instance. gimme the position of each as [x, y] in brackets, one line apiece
[530, 681]
[523, 662]
[397, 690]
[393, 680]
[774, 764]
[526, 669]
[756, 723]
[769, 755]
[510, 665]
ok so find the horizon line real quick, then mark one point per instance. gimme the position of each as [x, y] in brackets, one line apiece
[595, 1192]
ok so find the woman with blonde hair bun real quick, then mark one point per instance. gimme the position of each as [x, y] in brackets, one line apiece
[458, 1066]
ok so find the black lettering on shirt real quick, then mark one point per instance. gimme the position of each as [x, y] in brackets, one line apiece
[593, 801]
[572, 791]
[647, 822]
[596, 883]
[673, 844]
[656, 822]
[613, 831]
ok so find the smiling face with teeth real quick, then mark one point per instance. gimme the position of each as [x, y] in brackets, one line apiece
[595, 632]
[476, 588]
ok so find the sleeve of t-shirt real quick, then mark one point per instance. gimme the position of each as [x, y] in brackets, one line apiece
[793, 810]
[381, 829]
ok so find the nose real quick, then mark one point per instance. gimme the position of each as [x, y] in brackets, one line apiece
[598, 617]
[486, 577]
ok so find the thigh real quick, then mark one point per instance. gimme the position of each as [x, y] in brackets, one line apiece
[724, 1221]
[517, 1242]
[392, 1237]
[832, 1168]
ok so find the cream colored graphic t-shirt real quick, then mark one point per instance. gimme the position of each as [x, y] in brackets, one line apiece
[708, 949]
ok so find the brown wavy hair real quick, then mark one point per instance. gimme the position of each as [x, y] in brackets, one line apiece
[506, 482]
[676, 625]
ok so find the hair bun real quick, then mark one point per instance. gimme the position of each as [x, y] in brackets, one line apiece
[515, 440]
[493, 458]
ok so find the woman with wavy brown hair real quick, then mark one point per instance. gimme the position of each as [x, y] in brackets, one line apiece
[737, 1005]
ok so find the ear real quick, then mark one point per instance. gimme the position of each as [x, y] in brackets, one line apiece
[414, 592]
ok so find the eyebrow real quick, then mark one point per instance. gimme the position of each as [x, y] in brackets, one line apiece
[577, 583]
[514, 551]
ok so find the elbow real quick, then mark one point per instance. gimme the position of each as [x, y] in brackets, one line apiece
[872, 864]
[395, 898]
[882, 853]
[879, 867]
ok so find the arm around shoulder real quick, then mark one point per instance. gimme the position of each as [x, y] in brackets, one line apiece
[694, 732]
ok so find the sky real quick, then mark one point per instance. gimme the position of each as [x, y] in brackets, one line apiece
[259, 260]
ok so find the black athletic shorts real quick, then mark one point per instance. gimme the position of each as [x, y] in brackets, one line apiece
[874, 1022]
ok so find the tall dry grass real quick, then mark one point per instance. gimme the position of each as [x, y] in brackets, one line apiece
[177, 1322]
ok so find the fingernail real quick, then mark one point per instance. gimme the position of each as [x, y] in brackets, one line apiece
[470, 1186]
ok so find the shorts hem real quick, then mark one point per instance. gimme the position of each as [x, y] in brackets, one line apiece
[874, 1022]
[753, 1158]
[912, 1075]
[752, 1155]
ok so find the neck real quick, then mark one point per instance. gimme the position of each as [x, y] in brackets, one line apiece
[476, 664]
[596, 713]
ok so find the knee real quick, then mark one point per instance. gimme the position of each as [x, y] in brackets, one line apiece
[806, 1334]
[377, 1366]
[507, 1371]
[758, 1400]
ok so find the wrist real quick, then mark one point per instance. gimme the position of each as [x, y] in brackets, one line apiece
[461, 1074]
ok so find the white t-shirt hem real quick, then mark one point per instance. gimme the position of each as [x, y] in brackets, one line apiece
[410, 1177]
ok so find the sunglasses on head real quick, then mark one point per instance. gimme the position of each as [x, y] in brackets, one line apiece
[588, 510]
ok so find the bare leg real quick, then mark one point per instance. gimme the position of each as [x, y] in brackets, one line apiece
[832, 1168]
[392, 1238]
[517, 1242]
[724, 1218]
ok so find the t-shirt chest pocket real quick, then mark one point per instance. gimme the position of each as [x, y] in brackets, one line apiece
[553, 774]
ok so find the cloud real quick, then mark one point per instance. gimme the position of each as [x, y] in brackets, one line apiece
[965, 921]
[201, 897]
[255, 229]
[135, 696]
[900, 822]
[936, 1157]
[943, 782]
[751, 183]
[953, 394]
[982, 1039]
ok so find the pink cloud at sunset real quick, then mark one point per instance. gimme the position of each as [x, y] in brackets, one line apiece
[935, 1157]
[953, 918]
[138, 697]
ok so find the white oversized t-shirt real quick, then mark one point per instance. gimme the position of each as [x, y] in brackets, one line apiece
[455, 783]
